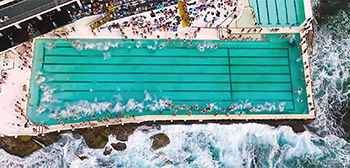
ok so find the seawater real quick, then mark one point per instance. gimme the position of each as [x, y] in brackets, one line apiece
[212, 145]
[237, 145]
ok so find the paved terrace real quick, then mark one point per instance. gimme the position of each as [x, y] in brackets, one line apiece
[12, 91]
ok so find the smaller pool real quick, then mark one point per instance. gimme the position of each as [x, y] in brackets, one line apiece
[278, 13]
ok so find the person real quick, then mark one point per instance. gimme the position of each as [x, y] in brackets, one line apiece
[25, 88]
[299, 100]
[251, 109]
[6, 18]
[189, 113]
[298, 91]
[153, 14]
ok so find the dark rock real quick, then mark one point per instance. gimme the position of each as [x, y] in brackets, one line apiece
[122, 132]
[119, 146]
[107, 151]
[48, 139]
[26, 145]
[96, 138]
[345, 122]
[159, 141]
[21, 146]
[122, 136]
[82, 157]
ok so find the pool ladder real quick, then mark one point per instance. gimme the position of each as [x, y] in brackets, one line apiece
[40, 130]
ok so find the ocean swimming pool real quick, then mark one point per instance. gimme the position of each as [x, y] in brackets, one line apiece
[101, 78]
[278, 13]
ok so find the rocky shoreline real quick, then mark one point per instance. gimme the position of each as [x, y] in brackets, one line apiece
[97, 138]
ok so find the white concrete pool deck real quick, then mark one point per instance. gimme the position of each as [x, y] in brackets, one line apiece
[11, 91]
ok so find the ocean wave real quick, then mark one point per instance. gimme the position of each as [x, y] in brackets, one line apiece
[211, 145]
[331, 75]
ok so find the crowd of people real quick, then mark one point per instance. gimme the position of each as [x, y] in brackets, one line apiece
[89, 8]
[202, 14]
[115, 9]
[24, 56]
[142, 25]
[24, 53]
[168, 108]
[131, 8]
[305, 56]
[205, 14]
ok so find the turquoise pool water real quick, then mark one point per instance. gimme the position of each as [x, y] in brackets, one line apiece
[278, 13]
[96, 78]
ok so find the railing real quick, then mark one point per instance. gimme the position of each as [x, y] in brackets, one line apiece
[33, 12]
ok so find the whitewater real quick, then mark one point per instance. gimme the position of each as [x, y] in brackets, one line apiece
[238, 145]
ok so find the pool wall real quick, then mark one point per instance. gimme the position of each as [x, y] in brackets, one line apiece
[36, 93]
